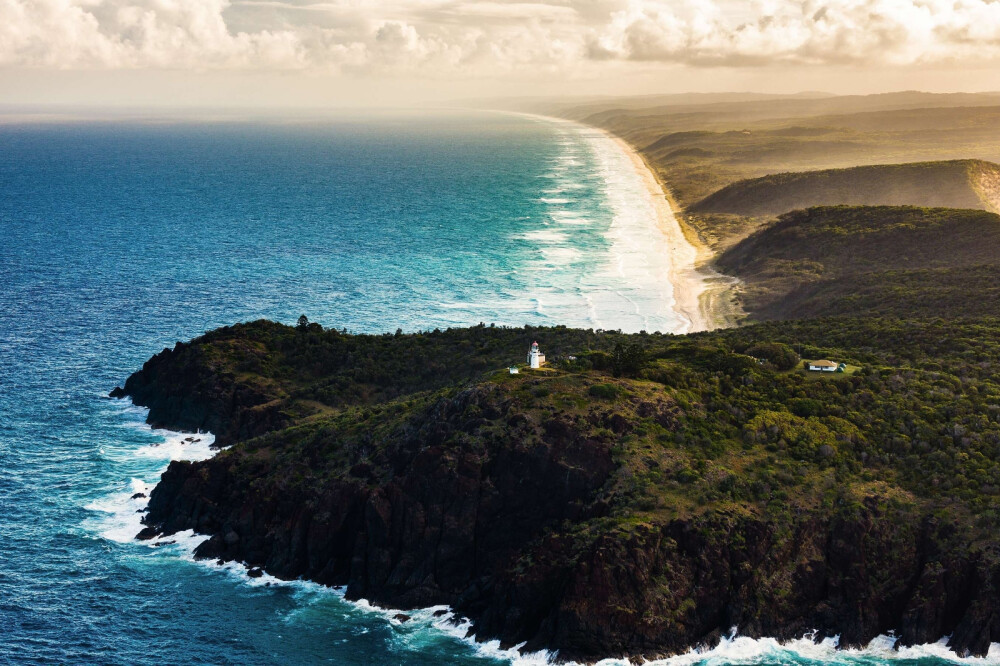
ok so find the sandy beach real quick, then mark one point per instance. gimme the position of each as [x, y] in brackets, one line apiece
[702, 295]
[693, 284]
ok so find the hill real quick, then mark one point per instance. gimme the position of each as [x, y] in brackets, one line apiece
[954, 184]
[644, 115]
[905, 261]
[698, 149]
[638, 499]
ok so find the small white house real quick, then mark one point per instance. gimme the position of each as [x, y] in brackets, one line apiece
[822, 366]
[536, 359]
[513, 370]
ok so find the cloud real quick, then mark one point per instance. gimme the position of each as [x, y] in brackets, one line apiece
[152, 33]
[484, 37]
[898, 32]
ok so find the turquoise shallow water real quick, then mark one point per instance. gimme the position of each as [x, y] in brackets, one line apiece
[116, 240]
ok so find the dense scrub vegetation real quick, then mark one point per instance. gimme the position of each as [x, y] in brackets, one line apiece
[943, 292]
[923, 413]
[686, 483]
[899, 260]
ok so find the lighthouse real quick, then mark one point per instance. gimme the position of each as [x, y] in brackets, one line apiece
[536, 359]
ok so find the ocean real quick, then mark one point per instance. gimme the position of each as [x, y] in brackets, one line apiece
[118, 239]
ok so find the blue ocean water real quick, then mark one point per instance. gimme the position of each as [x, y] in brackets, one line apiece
[119, 238]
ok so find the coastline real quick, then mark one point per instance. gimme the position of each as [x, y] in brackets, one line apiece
[820, 640]
[702, 295]
[700, 292]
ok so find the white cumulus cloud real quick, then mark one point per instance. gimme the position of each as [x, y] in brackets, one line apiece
[814, 31]
[449, 37]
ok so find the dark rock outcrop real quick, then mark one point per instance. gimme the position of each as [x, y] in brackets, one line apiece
[445, 520]
[184, 392]
[665, 588]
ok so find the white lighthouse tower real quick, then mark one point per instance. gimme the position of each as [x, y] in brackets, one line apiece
[536, 359]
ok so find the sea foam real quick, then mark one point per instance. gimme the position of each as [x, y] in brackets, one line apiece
[736, 650]
[598, 190]
[119, 514]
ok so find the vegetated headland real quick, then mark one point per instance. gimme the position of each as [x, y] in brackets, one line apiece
[641, 494]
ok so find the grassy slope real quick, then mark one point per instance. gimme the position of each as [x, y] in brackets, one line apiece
[906, 261]
[699, 152]
[952, 184]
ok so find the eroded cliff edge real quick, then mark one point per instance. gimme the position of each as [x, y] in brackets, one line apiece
[705, 486]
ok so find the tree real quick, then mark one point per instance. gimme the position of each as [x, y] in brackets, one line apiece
[303, 322]
[781, 356]
[626, 360]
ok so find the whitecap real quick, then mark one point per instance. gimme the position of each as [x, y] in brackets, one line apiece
[544, 236]
[118, 515]
[736, 650]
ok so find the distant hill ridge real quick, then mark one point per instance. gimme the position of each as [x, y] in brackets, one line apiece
[899, 260]
[967, 184]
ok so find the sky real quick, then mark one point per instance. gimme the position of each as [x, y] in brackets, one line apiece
[400, 52]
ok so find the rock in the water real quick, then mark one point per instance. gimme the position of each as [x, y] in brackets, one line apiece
[146, 533]
[139, 496]
[255, 572]
[401, 617]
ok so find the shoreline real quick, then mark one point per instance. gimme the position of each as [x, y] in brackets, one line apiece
[702, 295]
[440, 618]
[709, 294]
[687, 282]
[698, 288]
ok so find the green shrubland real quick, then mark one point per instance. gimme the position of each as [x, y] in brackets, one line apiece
[711, 421]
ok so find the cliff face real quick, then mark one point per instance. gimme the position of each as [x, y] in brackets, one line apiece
[578, 512]
[420, 521]
[186, 390]
[663, 588]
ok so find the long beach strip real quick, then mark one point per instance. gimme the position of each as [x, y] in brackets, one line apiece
[698, 290]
